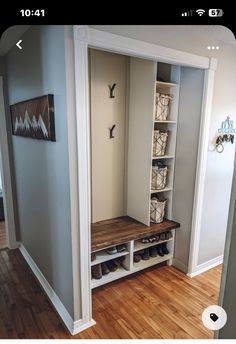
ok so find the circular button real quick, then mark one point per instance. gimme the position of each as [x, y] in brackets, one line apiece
[214, 317]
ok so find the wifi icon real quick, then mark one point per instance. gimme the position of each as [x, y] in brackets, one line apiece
[200, 12]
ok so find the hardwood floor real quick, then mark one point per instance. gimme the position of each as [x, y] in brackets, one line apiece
[3, 240]
[156, 303]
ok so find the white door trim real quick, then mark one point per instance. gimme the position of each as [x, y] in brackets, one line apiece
[6, 175]
[85, 37]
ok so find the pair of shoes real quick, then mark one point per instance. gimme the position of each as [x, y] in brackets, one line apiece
[150, 239]
[93, 256]
[115, 249]
[162, 249]
[145, 255]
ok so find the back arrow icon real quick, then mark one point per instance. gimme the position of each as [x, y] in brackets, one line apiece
[18, 44]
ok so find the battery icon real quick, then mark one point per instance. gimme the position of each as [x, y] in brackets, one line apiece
[214, 12]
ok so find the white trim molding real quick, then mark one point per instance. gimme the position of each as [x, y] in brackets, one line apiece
[84, 38]
[73, 326]
[210, 264]
[201, 165]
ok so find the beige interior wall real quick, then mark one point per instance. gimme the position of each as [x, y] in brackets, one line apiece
[108, 155]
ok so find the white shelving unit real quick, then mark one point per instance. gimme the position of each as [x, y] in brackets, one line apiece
[128, 266]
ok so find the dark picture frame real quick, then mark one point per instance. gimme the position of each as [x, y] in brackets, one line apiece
[34, 118]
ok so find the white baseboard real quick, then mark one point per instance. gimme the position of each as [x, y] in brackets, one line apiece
[179, 265]
[73, 326]
[206, 266]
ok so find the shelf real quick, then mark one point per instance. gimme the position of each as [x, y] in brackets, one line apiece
[140, 246]
[102, 256]
[163, 157]
[162, 190]
[162, 84]
[143, 264]
[173, 122]
[112, 276]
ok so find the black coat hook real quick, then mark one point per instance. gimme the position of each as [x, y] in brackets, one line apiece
[111, 131]
[111, 88]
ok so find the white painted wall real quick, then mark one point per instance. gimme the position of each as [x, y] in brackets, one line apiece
[195, 39]
[108, 154]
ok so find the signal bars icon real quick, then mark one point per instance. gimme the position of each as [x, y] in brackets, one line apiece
[187, 14]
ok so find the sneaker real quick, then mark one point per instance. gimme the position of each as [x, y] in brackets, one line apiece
[168, 235]
[111, 250]
[153, 251]
[121, 248]
[96, 271]
[146, 255]
[152, 239]
[105, 270]
[144, 240]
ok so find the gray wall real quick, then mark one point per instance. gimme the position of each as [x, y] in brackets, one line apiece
[191, 82]
[41, 167]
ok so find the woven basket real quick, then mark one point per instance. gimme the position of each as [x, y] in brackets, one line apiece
[162, 108]
[157, 210]
[159, 142]
[159, 176]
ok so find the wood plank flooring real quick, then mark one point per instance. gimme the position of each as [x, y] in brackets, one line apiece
[3, 240]
[122, 229]
[156, 303]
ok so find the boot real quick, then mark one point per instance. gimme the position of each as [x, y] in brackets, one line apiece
[97, 271]
[105, 270]
[153, 251]
[146, 255]
[159, 251]
[164, 248]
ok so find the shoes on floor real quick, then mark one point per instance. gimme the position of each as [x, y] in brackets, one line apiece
[146, 254]
[96, 271]
[105, 270]
[137, 258]
[153, 251]
[121, 248]
[111, 250]
[93, 257]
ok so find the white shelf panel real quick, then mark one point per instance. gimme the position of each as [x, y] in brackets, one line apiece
[162, 190]
[162, 84]
[173, 122]
[103, 256]
[143, 264]
[163, 157]
[112, 276]
[140, 246]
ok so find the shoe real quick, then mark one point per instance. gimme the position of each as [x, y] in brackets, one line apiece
[159, 250]
[168, 235]
[111, 250]
[112, 265]
[105, 270]
[152, 239]
[153, 251]
[146, 255]
[157, 237]
[164, 248]
[97, 271]
[121, 248]
[93, 257]
[162, 236]
[144, 240]
[137, 258]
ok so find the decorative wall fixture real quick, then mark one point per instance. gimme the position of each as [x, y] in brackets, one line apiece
[227, 129]
[34, 118]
